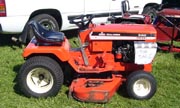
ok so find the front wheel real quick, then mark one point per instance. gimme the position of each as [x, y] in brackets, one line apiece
[40, 77]
[141, 85]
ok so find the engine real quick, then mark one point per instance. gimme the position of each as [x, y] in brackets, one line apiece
[124, 51]
[138, 52]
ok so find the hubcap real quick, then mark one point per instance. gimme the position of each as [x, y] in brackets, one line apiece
[142, 87]
[47, 25]
[39, 80]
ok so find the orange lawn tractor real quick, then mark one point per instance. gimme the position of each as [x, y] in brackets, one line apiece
[109, 55]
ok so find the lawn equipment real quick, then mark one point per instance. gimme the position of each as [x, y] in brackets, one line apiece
[108, 56]
[168, 29]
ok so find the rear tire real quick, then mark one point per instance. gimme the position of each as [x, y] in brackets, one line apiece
[141, 85]
[47, 21]
[40, 76]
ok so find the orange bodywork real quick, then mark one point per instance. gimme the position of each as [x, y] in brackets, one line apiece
[101, 46]
[101, 59]
[125, 28]
[99, 52]
[104, 62]
[129, 29]
[62, 52]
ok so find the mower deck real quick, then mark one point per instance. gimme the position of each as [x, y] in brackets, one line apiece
[95, 90]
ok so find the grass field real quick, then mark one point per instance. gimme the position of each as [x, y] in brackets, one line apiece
[166, 69]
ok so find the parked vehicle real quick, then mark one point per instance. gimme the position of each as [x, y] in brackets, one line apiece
[108, 56]
[54, 14]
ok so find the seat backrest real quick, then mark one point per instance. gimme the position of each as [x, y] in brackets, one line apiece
[46, 36]
[38, 30]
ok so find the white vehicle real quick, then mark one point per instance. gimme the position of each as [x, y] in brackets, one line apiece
[54, 14]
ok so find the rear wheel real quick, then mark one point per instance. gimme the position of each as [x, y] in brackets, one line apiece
[47, 21]
[141, 85]
[40, 77]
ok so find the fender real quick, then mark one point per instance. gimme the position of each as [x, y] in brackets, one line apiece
[61, 52]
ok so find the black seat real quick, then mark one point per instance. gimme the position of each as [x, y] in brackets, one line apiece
[46, 36]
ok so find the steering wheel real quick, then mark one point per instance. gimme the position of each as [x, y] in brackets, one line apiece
[82, 21]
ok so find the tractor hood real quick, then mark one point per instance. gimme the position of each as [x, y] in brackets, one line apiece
[124, 32]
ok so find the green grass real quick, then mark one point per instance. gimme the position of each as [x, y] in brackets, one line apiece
[166, 69]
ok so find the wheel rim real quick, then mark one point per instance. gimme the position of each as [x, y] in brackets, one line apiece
[142, 87]
[39, 80]
[47, 25]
